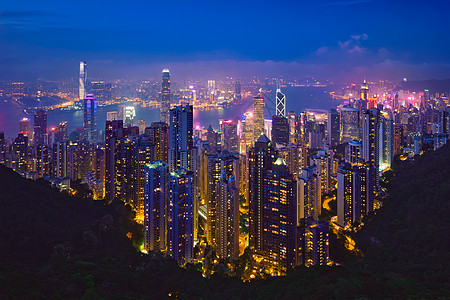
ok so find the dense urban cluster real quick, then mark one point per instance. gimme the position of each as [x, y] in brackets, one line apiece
[205, 195]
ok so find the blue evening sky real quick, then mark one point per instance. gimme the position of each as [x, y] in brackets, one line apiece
[135, 39]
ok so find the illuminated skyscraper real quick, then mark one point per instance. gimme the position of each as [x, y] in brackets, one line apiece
[237, 91]
[258, 117]
[260, 160]
[165, 97]
[313, 242]
[90, 117]
[281, 103]
[280, 130]
[180, 213]
[349, 124]
[279, 219]
[181, 142]
[364, 91]
[25, 127]
[370, 150]
[155, 206]
[333, 130]
[40, 127]
[20, 153]
[230, 137]
[82, 81]
[158, 133]
[310, 193]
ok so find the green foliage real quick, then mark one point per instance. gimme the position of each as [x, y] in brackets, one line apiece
[405, 245]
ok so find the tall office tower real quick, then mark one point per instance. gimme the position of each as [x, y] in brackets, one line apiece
[90, 117]
[180, 140]
[386, 142]
[165, 97]
[218, 165]
[129, 114]
[228, 218]
[353, 152]
[268, 128]
[155, 205]
[230, 136]
[364, 91]
[99, 164]
[398, 137]
[40, 127]
[113, 133]
[349, 124]
[313, 241]
[245, 131]
[258, 117]
[281, 103]
[279, 217]
[237, 91]
[158, 133]
[180, 215]
[280, 130]
[293, 127]
[20, 153]
[260, 160]
[370, 150]
[82, 81]
[309, 194]
[25, 127]
[333, 128]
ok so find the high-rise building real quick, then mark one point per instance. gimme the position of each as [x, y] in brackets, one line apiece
[313, 242]
[398, 137]
[158, 133]
[246, 132]
[333, 130]
[281, 103]
[155, 206]
[112, 116]
[353, 152]
[25, 127]
[40, 127]
[228, 218]
[309, 194]
[82, 81]
[370, 150]
[61, 132]
[386, 142]
[258, 117]
[20, 153]
[279, 220]
[230, 136]
[141, 125]
[58, 163]
[220, 168]
[280, 130]
[181, 142]
[349, 124]
[113, 132]
[165, 96]
[260, 159]
[90, 118]
[180, 213]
